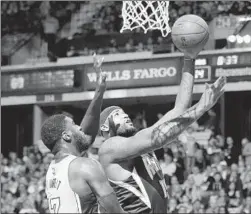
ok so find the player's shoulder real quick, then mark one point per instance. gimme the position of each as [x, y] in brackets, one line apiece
[85, 167]
[108, 145]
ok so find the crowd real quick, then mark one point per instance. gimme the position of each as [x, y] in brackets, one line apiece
[213, 182]
[48, 18]
[108, 21]
[201, 178]
[28, 16]
[23, 181]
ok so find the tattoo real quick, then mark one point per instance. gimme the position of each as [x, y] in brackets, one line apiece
[185, 91]
[169, 130]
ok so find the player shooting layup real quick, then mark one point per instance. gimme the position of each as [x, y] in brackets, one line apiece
[75, 184]
[128, 158]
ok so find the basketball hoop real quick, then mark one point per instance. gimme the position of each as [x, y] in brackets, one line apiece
[147, 15]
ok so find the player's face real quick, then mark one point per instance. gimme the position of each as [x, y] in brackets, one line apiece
[122, 122]
[77, 135]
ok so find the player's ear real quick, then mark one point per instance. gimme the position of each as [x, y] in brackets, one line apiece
[104, 128]
[67, 136]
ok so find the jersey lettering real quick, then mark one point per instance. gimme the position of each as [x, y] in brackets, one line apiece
[153, 167]
[54, 183]
[55, 204]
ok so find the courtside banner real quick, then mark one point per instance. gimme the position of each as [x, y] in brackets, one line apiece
[134, 74]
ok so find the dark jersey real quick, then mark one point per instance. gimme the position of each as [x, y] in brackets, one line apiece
[89, 204]
[130, 196]
[145, 190]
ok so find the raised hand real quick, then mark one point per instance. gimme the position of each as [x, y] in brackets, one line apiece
[212, 93]
[101, 76]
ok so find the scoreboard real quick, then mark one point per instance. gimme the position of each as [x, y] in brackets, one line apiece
[40, 81]
[52, 79]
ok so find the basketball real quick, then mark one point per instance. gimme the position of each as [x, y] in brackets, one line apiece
[190, 31]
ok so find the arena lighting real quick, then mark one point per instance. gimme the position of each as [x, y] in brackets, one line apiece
[247, 39]
[239, 39]
[231, 38]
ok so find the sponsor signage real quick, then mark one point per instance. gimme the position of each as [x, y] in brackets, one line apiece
[146, 73]
[234, 73]
[124, 74]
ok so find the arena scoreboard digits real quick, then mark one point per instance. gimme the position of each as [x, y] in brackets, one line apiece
[232, 59]
[235, 65]
[34, 81]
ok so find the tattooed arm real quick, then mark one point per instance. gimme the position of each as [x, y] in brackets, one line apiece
[118, 149]
[184, 96]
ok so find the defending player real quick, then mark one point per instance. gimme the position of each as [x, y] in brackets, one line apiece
[127, 157]
[75, 184]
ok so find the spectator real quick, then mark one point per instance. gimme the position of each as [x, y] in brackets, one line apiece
[129, 47]
[192, 191]
[246, 151]
[229, 151]
[247, 205]
[197, 206]
[186, 203]
[172, 205]
[176, 192]
[234, 199]
[222, 209]
[197, 176]
[140, 47]
[188, 140]
[199, 157]
[149, 46]
[50, 27]
[167, 165]
[139, 121]
[179, 159]
[247, 184]
[218, 183]
[223, 170]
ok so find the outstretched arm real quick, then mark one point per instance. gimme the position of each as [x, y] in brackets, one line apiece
[184, 97]
[90, 122]
[118, 149]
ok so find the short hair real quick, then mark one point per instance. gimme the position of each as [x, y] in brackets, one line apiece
[52, 130]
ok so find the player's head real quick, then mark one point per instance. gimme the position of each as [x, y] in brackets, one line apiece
[59, 129]
[115, 122]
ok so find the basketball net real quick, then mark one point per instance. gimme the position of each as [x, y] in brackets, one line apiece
[148, 15]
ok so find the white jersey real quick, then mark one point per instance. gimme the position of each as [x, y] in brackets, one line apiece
[61, 197]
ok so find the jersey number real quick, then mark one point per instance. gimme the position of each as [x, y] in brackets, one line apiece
[55, 204]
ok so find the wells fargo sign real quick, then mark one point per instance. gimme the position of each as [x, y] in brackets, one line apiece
[137, 74]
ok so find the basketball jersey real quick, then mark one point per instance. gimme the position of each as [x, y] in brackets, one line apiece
[145, 190]
[61, 197]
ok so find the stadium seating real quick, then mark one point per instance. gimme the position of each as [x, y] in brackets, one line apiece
[82, 24]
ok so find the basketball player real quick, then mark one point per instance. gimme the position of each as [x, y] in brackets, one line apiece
[128, 158]
[76, 184]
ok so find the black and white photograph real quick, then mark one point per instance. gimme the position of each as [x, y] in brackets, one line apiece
[126, 107]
